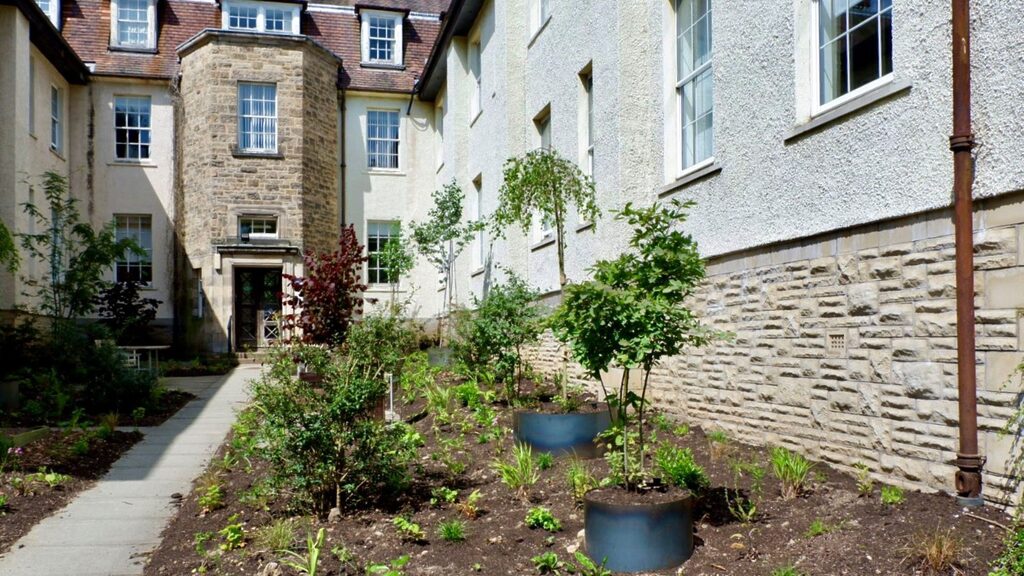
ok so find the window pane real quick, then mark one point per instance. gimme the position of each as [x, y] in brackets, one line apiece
[257, 117]
[382, 39]
[832, 70]
[864, 54]
[831, 19]
[382, 138]
[862, 11]
[135, 267]
[885, 35]
[378, 234]
[133, 22]
[132, 127]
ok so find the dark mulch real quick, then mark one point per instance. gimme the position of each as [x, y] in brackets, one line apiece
[170, 402]
[61, 452]
[866, 538]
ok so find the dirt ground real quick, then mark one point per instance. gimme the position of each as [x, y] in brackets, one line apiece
[861, 535]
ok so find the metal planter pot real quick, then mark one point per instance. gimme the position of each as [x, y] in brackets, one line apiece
[638, 537]
[561, 434]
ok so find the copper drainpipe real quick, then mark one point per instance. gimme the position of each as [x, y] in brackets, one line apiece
[969, 461]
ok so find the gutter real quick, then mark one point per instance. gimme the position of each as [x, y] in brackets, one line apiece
[969, 461]
[437, 52]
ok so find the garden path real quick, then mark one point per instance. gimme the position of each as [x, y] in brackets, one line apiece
[111, 528]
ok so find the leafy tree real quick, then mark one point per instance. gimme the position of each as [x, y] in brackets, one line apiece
[125, 311]
[329, 296]
[445, 235]
[8, 250]
[504, 322]
[631, 313]
[397, 258]
[76, 254]
[543, 184]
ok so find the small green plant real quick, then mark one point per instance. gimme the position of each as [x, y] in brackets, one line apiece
[787, 571]
[718, 443]
[791, 469]
[199, 542]
[819, 527]
[520, 474]
[545, 460]
[310, 561]
[548, 563]
[865, 484]
[580, 479]
[1011, 561]
[742, 508]
[343, 554]
[440, 403]
[3, 502]
[212, 499]
[892, 495]
[681, 430]
[661, 422]
[408, 529]
[443, 495]
[278, 535]
[50, 478]
[540, 517]
[678, 468]
[108, 424]
[452, 531]
[81, 446]
[137, 415]
[588, 567]
[471, 507]
[393, 568]
[233, 534]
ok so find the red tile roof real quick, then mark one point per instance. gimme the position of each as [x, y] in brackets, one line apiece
[87, 30]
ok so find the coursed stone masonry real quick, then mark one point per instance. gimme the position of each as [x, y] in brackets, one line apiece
[844, 347]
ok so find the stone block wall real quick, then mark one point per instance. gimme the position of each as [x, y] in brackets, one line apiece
[844, 348]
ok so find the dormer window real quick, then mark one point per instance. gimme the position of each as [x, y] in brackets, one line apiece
[381, 37]
[133, 24]
[52, 10]
[260, 17]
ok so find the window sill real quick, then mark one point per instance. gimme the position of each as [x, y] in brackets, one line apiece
[384, 172]
[476, 117]
[584, 227]
[477, 272]
[57, 153]
[33, 135]
[383, 289]
[131, 164]
[239, 153]
[132, 49]
[382, 66]
[439, 168]
[536, 33]
[699, 172]
[847, 109]
[547, 241]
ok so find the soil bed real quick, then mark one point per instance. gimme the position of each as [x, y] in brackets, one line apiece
[83, 456]
[860, 536]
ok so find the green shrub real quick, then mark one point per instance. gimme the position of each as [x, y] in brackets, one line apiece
[408, 529]
[1011, 562]
[580, 479]
[541, 517]
[415, 377]
[678, 468]
[791, 469]
[212, 498]
[892, 495]
[443, 495]
[545, 460]
[547, 563]
[322, 442]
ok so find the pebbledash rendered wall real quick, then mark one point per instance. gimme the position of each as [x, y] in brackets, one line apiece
[844, 347]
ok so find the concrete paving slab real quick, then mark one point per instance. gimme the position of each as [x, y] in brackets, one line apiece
[111, 528]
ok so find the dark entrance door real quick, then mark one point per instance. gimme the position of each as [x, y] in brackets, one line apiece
[257, 307]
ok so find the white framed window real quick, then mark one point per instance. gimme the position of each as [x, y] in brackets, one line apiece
[56, 119]
[382, 139]
[540, 11]
[132, 125]
[381, 37]
[135, 267]
[543, 124]
[378, 234]
[852, 48]
[258, 226]
[269, 17]
[52, 10]
[257, 117]
[695, 81]
[133, 23]
[476, 98]
[588, 102]
[31, 95]
[480, 254]
[199, 304]
[439, 125]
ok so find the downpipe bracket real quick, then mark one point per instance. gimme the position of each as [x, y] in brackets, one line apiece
[961, 142]
[968, 479]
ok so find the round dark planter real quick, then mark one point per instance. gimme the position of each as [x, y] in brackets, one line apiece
[637, 537]
[561, 434]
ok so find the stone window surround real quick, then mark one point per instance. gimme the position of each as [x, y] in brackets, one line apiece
[151, 15]
[261, 8]
[237, 212]
[398, 57]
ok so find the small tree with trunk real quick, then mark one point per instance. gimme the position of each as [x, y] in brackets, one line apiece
[330, 296]
[445, 235]
[542, 184]
[631, 315]
[397, 258]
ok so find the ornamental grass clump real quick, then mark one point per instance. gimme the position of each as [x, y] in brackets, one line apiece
[632, 315]
[521, 473]
[791, 469]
